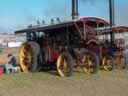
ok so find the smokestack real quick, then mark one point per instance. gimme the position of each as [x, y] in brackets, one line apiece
[75, 9]
[111, 13]
[111, 18]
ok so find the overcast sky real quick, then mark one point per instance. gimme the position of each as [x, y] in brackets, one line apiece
[17, 14]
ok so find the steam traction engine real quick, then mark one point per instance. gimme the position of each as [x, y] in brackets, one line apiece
[119, 47]
[63, 46]
[66, 45]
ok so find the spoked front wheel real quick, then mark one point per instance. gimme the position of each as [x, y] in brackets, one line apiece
[90, 62]
[108, 63]
[65, 64]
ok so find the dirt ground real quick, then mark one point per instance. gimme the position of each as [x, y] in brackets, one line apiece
[114, 83]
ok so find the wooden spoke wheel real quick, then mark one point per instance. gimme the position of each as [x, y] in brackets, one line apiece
[120, 62]
[90, 62]
[29, 52]
[107, 63]
[65, 64]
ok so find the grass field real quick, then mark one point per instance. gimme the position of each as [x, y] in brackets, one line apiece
[114, 83]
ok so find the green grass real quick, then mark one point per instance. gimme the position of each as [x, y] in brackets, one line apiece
[20, 82]
[101, 74]
[44, 76]
[0, 51]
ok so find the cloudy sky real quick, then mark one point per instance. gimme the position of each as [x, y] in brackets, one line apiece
[17, 14]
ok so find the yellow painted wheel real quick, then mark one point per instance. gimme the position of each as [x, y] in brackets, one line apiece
[120, 62]
[107, 63]
[90, 62]
[64, 64]
[28, 56]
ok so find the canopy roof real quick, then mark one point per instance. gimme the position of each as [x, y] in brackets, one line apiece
[118, 29]
[90, 21]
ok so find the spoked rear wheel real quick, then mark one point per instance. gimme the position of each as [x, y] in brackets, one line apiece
[120, 62]
[90, 62]
[65, 64]
[108, 63]
[29, 52]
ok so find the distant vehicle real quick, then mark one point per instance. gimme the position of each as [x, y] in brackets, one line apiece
[120, 45]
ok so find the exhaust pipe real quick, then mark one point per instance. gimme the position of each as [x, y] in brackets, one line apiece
[111, 19]
[75, 9]
[111, 13]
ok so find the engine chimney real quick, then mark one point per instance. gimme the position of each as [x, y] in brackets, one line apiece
[75, 9]
[111, 18]
[111, 13]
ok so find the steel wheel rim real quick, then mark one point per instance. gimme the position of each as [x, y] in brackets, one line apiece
[107, 63]
[89, 63]
[62, 66]
[26, 58]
